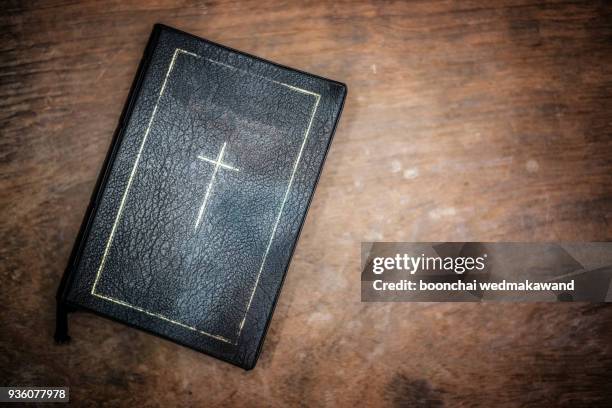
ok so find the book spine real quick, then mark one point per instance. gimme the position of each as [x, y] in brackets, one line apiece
[62, 308]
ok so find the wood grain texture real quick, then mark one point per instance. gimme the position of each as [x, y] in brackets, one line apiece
[483, 121]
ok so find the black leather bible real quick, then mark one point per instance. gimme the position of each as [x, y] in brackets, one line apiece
[202, 196]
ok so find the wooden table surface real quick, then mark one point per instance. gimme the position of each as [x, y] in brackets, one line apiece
[465, 121]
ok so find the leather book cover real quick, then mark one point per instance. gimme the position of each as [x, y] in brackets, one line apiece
[202, 197]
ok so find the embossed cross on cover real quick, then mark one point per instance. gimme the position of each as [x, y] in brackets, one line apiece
[202, 197]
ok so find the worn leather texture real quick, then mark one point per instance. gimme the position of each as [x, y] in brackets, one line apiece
[201, 202]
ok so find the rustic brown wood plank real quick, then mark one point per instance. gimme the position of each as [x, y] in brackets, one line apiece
[471, 120]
